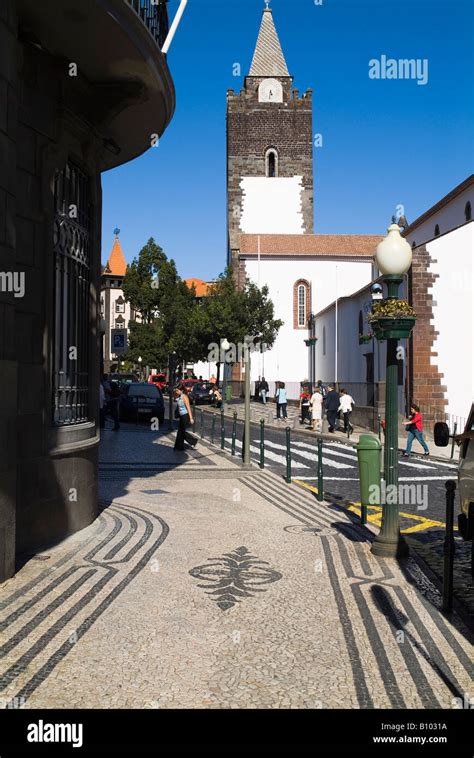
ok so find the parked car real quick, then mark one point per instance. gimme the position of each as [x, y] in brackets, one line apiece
[465, 472]
[159, 380]
[123, 378]
[200, 393]
[142, 400]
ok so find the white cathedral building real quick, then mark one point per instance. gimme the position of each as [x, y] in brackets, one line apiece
[271, 237]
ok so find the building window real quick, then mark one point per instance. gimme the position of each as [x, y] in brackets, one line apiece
[436, 231]
[71, 249]
[120, 323]
[301, 304]
[120, 305]
[413, 245]
[271, 163]
[468, 211]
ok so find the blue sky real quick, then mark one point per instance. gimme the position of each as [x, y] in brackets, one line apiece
[385, 142]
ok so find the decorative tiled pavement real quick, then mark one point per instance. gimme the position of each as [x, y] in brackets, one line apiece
[204, 586]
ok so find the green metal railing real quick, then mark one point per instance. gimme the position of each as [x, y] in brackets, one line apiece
[320, 495]
[234, 433]
[262, 443]
[288, 455]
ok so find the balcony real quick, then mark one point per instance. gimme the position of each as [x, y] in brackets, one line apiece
[154, 16]
[124, 88]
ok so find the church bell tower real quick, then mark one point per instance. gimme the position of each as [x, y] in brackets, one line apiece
[269, 148]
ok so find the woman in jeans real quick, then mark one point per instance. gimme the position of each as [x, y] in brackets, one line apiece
[185, 418]
[414, 427]
[281, 400]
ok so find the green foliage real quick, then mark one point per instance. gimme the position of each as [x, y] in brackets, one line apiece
[140, 276]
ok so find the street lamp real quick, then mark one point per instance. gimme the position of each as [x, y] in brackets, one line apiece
[140, 364]
[393, 259]
[225, 346]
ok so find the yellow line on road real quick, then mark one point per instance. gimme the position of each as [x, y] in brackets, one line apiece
[376, 516]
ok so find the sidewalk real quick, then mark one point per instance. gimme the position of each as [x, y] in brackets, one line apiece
[268, 414]
[203, 585]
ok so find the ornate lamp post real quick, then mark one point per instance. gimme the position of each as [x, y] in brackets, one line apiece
[391, 322]
[140, 364]
[225, 346]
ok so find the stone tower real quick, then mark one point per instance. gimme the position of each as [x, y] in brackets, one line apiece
[269, 148]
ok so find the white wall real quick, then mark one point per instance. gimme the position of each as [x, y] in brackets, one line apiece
[453, 295]
[448, 218]
[272, 206]
[288, 359]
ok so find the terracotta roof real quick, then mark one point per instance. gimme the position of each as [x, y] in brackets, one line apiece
[268, 58]
[333, 245]
[201, 287]
[116, 265]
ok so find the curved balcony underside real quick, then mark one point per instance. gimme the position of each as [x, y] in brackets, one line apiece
[130, 93]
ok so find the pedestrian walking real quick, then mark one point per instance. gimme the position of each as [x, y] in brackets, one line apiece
[414, 427]
[281, 400]
[346, 404]
[184, 414]
[264, 390]
[322, 389]
[216, 397]
[317, 410]
[331, 404]
[305, 404]
[114, 404]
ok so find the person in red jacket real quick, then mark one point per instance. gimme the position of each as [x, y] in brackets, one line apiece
[414, 427]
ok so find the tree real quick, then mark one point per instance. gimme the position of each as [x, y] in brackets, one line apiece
[138, 284]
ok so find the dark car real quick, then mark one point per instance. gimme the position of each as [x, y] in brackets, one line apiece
[200, 393]
[123, 379]
[142, 400]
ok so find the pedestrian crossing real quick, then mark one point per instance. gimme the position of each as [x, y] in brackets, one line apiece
[336, 458]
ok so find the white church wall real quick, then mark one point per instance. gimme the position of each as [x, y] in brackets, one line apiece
[272, 205]
[288, 359]
[448, 218]
[453, 312]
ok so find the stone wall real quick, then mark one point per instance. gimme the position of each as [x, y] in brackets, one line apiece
[40, 465]
[8, 346]
[253, 127]
[427, 389]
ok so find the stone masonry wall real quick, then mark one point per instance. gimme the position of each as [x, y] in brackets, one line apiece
[427, 389]
[8, 347]
[252, 128]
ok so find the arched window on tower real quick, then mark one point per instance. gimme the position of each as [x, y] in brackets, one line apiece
[301, 304]
[468, 211]
[436, 231]
[271, 163]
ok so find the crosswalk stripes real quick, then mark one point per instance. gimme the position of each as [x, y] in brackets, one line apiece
[307, 455]
[268, 454]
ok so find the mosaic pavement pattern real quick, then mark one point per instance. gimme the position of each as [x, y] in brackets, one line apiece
[229, 590]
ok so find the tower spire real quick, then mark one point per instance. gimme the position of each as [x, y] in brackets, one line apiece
[268, 58]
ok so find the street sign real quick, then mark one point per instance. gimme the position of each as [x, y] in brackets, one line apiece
[118, 339]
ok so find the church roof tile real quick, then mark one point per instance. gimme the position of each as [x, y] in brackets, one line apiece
[332, 245]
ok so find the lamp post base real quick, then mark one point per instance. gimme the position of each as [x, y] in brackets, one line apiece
[390, 548]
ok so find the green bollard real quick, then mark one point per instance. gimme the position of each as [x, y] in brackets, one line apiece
[234, 433]
[222, 430]
[453, 437]
[213, 428]
[368, 454]
[262, 443]
[320, 495]
[288, 455]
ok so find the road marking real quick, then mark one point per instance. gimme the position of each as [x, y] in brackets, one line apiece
[374, 513]
[268, 455]
[400, 462]
[310, 456]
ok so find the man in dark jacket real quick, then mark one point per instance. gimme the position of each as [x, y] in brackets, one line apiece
[331, 403]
